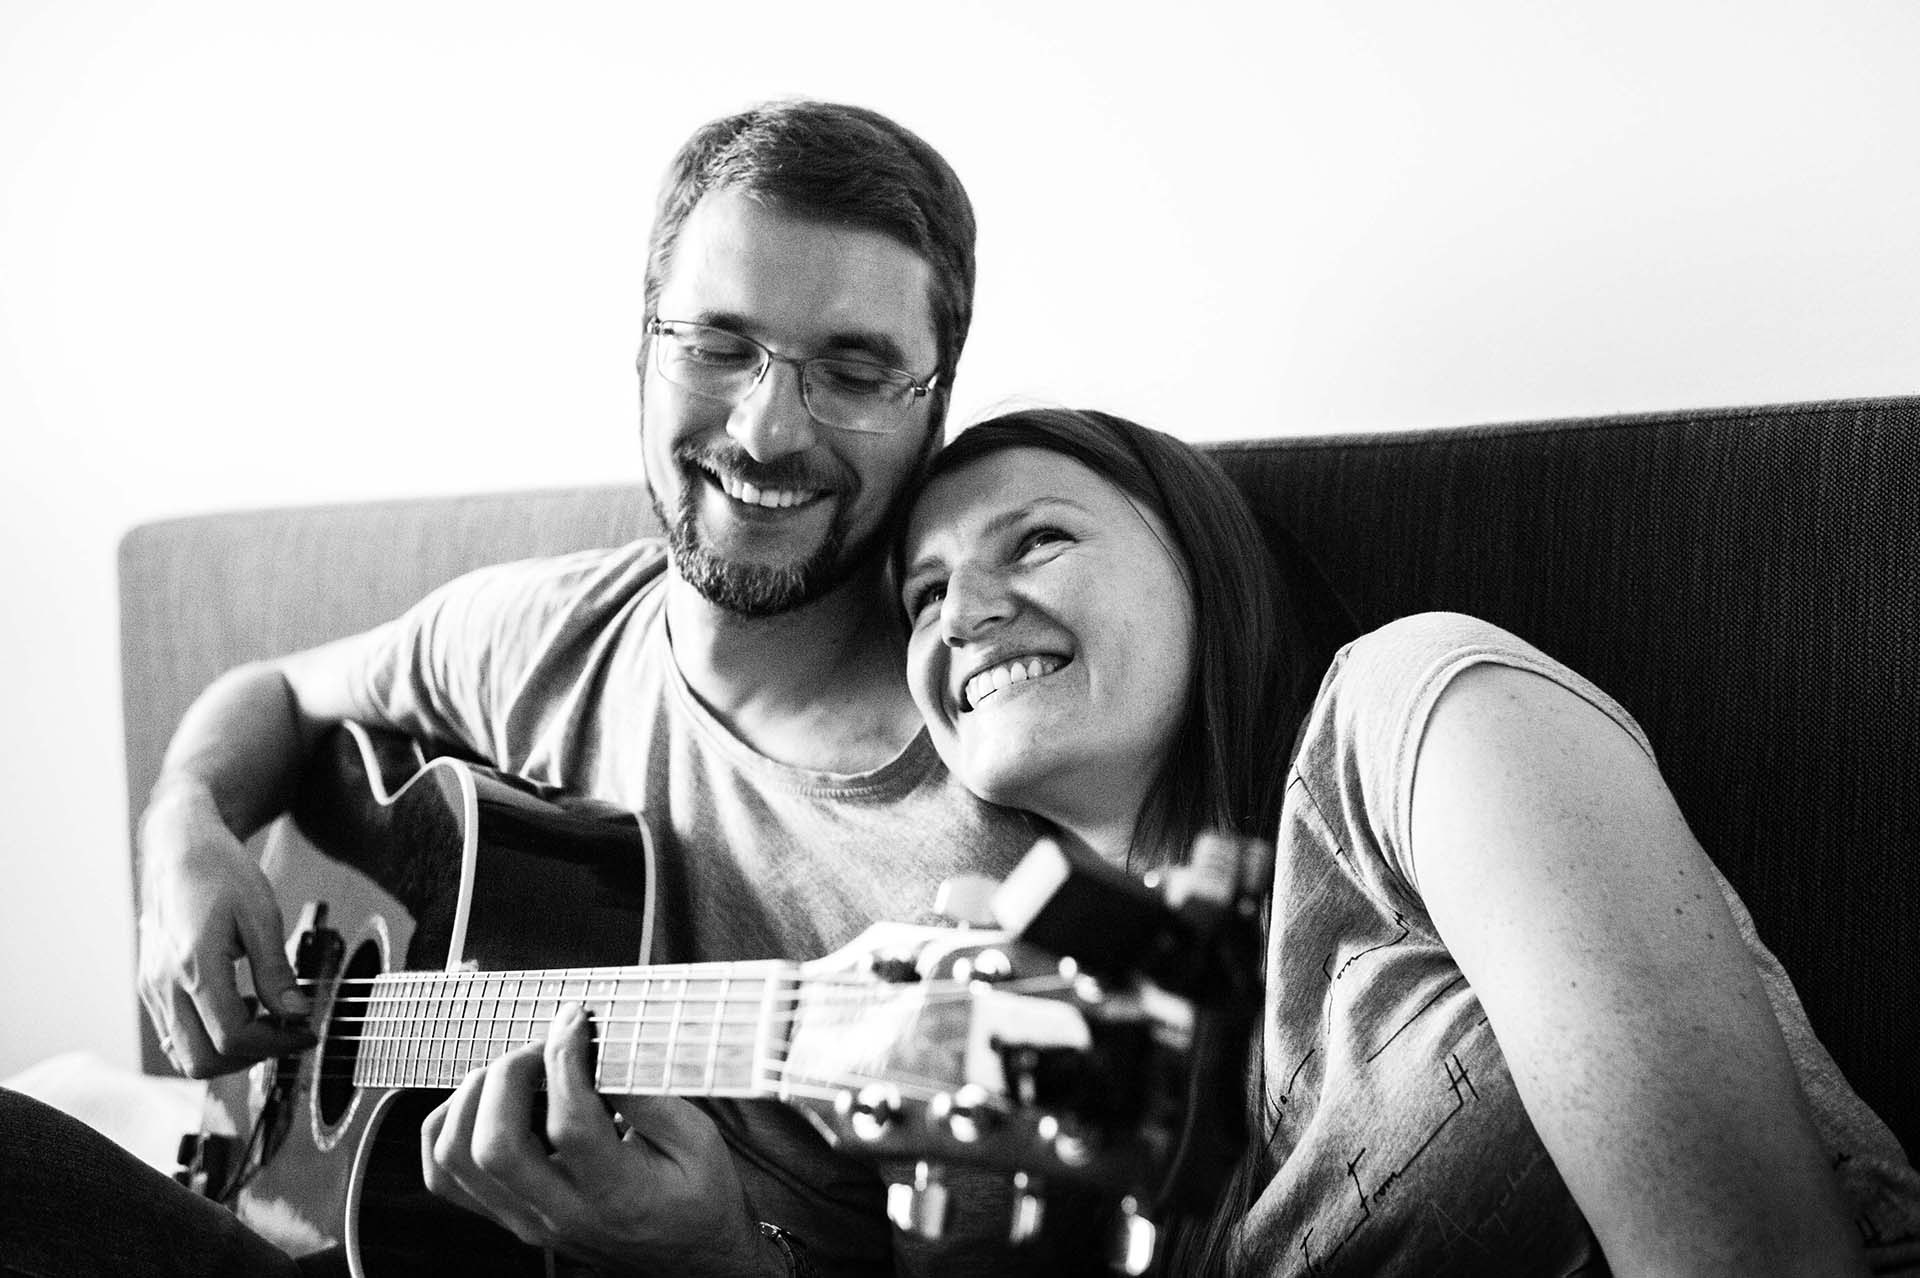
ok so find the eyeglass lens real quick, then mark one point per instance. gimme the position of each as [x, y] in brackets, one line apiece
[845, 393]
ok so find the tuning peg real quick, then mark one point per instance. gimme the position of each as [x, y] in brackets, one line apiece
[1135, 1240]
[968, 1114]
[870, 1111]
[920, 1206]
[1029, 1209]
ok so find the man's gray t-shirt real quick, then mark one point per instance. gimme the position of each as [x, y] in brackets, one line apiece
[1397, 1142]
[561, 670]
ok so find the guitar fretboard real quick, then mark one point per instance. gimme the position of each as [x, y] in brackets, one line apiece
[708, 1029]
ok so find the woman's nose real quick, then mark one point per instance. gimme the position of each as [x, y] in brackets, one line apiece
[977, 600]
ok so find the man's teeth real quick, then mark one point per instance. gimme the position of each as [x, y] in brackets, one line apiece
[1006, 674]
[752, 495]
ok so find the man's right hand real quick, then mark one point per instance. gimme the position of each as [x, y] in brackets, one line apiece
[204, 904]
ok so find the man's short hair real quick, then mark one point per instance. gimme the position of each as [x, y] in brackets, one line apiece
[839, 164]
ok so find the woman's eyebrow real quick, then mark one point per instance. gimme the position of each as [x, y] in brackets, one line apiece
[1000, 523]
[1038, 506]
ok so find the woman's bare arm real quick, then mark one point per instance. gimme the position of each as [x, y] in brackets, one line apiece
[1564, 879]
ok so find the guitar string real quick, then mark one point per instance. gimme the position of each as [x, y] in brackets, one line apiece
[622, 1050]
[774, 1084]
[465, 1004]
[619, 976]
[775, 1079]
[615, 1015]
[616, 1024]
[466, 994]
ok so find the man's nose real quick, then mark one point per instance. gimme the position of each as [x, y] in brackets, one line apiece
[771, 420]
[977, 600]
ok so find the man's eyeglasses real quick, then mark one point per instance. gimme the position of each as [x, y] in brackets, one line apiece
[850, 394]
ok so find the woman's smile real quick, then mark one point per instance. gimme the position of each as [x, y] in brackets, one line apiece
[1002, 675]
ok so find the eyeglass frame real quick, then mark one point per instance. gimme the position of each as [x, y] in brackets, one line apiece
[918, 388]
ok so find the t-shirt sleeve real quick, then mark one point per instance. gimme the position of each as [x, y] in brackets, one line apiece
[1378, 697]
[453, 667]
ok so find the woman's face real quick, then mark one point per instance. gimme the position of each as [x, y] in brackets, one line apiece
[1052, 637]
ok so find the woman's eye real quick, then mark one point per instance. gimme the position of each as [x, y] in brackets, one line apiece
[1037, 538]
[925, 597]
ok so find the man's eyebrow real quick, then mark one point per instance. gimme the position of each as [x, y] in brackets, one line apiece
[872, 343]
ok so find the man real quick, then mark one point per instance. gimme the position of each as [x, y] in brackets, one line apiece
[807, 295]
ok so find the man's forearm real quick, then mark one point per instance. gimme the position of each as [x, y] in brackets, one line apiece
[241, 744]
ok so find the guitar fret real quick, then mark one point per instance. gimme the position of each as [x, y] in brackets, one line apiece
[673, 1036]
[428, 1045]
[603, 989]
[374, 1042]
[763, 1033]
[448, 1042]
[470, 1051]
[490, 985]
[392, 1040]
[451, 987]
[719, 1019]
[423, 1027]
[411, 1016]
[633, 1038]
[447, 1075]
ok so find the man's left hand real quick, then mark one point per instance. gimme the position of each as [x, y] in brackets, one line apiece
[660, 1197]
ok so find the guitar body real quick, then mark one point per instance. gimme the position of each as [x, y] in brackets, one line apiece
[420, 864]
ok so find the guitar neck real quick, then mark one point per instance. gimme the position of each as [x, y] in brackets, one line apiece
[706, 1029]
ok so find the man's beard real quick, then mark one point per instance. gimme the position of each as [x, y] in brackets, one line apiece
[752, 590]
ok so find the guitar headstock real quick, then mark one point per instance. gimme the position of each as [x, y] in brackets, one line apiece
[1004, 1049]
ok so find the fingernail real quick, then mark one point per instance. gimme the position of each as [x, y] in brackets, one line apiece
[295, 1003]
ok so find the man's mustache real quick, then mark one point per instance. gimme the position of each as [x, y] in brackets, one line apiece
[784, 472]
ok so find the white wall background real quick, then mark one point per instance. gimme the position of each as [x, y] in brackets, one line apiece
[265, 253]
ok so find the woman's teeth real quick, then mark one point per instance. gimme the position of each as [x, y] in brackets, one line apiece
[1005, 675]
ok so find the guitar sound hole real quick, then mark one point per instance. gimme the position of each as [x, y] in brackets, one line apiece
[345, 1026]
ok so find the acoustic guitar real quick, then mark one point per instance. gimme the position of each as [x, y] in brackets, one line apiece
[447, 910]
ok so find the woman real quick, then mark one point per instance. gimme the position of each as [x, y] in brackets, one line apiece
[1515, 1020]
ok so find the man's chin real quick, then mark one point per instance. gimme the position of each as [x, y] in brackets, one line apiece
[754, 589]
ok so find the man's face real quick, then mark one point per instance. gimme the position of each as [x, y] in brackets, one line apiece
[766, 508]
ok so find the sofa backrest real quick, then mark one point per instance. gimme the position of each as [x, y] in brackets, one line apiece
[1746, 582]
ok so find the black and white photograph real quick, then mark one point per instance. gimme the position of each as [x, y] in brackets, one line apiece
[1007, 638]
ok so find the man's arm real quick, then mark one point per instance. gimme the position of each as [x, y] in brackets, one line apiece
[204, 902]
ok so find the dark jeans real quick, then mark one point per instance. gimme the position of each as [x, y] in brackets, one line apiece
[74, 1205]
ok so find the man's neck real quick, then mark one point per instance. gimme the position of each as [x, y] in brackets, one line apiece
[822, 687]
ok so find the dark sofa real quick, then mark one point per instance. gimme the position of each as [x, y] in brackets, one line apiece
[1745, 581]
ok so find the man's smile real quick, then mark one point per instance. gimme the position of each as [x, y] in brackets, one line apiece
[768, 489]
[754, 495]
